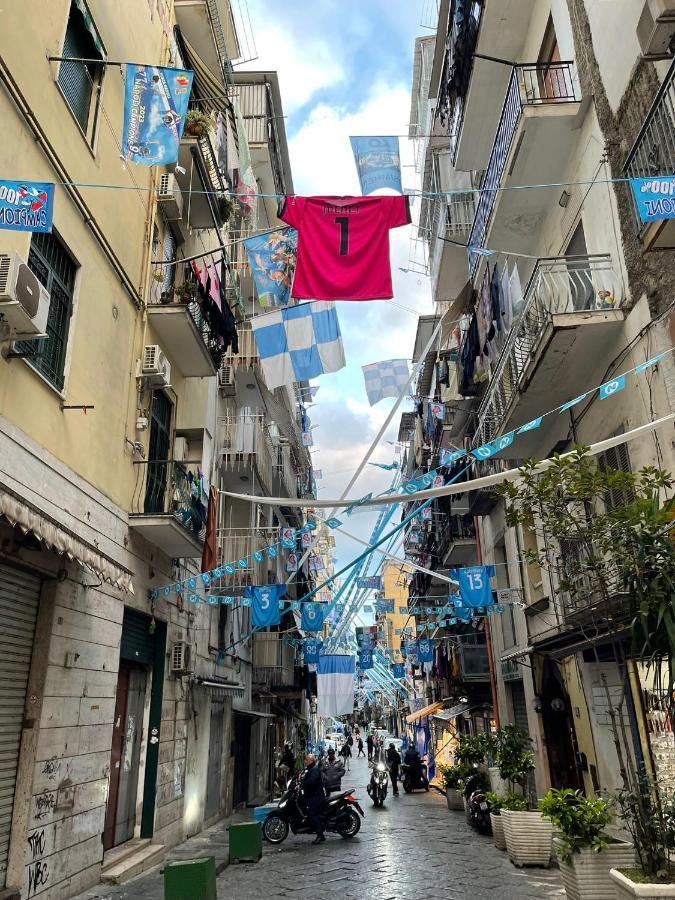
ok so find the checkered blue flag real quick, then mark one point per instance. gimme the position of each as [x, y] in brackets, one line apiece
[385, 379]
[297, 343]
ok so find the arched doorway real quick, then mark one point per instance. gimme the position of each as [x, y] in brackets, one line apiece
[561, 741]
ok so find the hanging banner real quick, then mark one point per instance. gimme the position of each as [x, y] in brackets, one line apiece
[312, 617]
[292, 562]
[26, 206]
[438, 411]
[265, 604]
[155, 104]
[366, 635]
[312, 650]
[398, 670]
[271, 258]
[335, 685]
[411, 652]
[425, 650]
[369, 582]
[654, 197]
[378, 163]
[365, 659]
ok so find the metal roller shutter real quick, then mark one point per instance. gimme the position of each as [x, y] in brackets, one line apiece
[137, 644]
[19, 596]
[519, 705]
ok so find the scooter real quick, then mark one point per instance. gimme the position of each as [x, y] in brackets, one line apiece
[415, 778]
[377, 789]
[478, 808]
[342, 815]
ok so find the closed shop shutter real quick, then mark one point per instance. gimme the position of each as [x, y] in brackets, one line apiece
[519, 705]
[138, 644]
[19, 596]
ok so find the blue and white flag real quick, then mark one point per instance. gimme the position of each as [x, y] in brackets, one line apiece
[425, 650]
[272, 258]
[385, 379]
[297, 343]
[654, 197]
[155, 104]
[265, 604]
[365, 659]
[26, 205]
[398, 670]
[368, 582]
[335, 685]
[447, 457]
[312, 617]
[609, 388]
[378, 162]
[312, 650]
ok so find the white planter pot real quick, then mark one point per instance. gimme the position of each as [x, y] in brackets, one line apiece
[625, 889]
[529, 838]
[498, 838]
[586, 877]
[454, 798]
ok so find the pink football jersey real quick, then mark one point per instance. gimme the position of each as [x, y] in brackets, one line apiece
[343, 245]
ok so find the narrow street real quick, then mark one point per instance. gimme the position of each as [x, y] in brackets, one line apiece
[401, 850]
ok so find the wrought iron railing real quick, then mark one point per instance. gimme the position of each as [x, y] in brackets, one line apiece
[284, 468]
[273, 660]
[453, 529]
[558, 285]
[233, 544]
[168, 488]
[451, 220]
[529, 85]
[244, 441]
[588, 585]
[248, 355]
[653, 152]
[172, 298]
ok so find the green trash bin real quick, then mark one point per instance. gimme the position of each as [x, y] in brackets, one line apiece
[191, 879]
[245, 841]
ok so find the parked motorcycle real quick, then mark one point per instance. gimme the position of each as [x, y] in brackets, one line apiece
[342, 815]
[379, 780]
[478, 809]
[415, 778]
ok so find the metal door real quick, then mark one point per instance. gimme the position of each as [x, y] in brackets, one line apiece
[19, 596]
[242, 756]
[213, 772]
[125, 756]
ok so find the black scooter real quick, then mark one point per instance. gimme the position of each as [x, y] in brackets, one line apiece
[379, 780]
[342, 815]
[415, 777]
[478, 808]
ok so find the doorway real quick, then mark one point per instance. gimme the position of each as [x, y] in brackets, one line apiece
[158, 453]
[214, 766]
[561, 742]
[120, 819]
[241, 751]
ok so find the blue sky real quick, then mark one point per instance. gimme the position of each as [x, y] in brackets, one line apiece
[345, 67]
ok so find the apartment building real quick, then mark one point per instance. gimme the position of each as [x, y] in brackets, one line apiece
[119, 737]
[570, 97]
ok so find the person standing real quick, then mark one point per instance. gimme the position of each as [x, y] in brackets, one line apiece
[315, 797]
[361, 750]
[346, 753]
[369, 742]
[394, 764]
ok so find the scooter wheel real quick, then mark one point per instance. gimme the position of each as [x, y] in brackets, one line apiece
[275, 829]
[426, 785]
[349, 824]
[407, 788]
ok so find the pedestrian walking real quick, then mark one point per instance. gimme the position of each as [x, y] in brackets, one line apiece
[361, 751]
[369, 742]
[346, 753]
[315, 796]
[394, 764]
[332, 770]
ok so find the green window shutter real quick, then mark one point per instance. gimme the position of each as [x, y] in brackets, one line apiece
[137, 644]
[77, 79]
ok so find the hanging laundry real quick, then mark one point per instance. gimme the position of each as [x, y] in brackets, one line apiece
[229, 327]
[517, 299]
[507, 315]
[343, 245]
[265, 604]
[474, 585]
[247, 186]
[496, 297]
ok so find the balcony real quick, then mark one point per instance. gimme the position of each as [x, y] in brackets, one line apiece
[246, 453]
[473, 660]
[452, 221]
[284, 470]
[457, 541]
[273, 661]
[555, 349]
[235, 543]
[184, 332]
[589, 588]
[165, 511]
[653, 154]
[205, 199]
[208, 26]
[534, 138]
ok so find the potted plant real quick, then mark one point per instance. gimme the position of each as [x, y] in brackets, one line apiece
[197, 123]
[649, 815]
[586, 853]
[186, 292]
[497, 803]
[226, 208]
[453, 781]
[527, 833]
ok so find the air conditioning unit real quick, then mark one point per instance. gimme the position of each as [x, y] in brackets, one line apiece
[156, 367]
[24, 302]
[181, 658]
[169, 195]
[656, 28]
[181, 449]
[226, 380]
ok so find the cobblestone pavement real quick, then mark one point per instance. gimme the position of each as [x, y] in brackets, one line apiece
[411, 849]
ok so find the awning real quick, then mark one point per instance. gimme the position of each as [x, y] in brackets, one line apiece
[517, 654]
[23, 515]
[254, 713]
[453, 712]
[219, 687]
[422, 713]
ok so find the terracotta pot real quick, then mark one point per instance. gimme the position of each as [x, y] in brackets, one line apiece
[625, 889]
[498, 838]
[586, 877]
[529, 838]
[454, 798]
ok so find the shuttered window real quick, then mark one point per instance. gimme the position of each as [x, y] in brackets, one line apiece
[55, 269]
[80, 82]
[617, 458]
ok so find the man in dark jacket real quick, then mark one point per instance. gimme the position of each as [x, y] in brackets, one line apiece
[369, 742]
[393, 763]
[332, 771]
[315, 796]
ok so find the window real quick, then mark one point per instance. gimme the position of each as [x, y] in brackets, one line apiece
[80, 82]
[55, 269]
[617, 458]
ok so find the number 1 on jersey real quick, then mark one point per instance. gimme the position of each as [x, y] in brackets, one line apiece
[343, 222]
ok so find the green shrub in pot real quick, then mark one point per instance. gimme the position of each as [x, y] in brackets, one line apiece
[580, 820]
[498, 802]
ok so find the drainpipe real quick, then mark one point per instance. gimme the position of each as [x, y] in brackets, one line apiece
[488, 639]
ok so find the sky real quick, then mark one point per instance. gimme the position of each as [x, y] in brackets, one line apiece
[345, 68]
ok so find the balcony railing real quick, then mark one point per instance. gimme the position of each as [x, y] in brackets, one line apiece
[273, 661]
[248, 355]
[589, 587]
[237, 543]
[167, 488]
[284, 468]
[558, 285]
[244, 442]
[653, 152]
[453, 529]
[529, 85]
[171, 299]
[451, 220]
